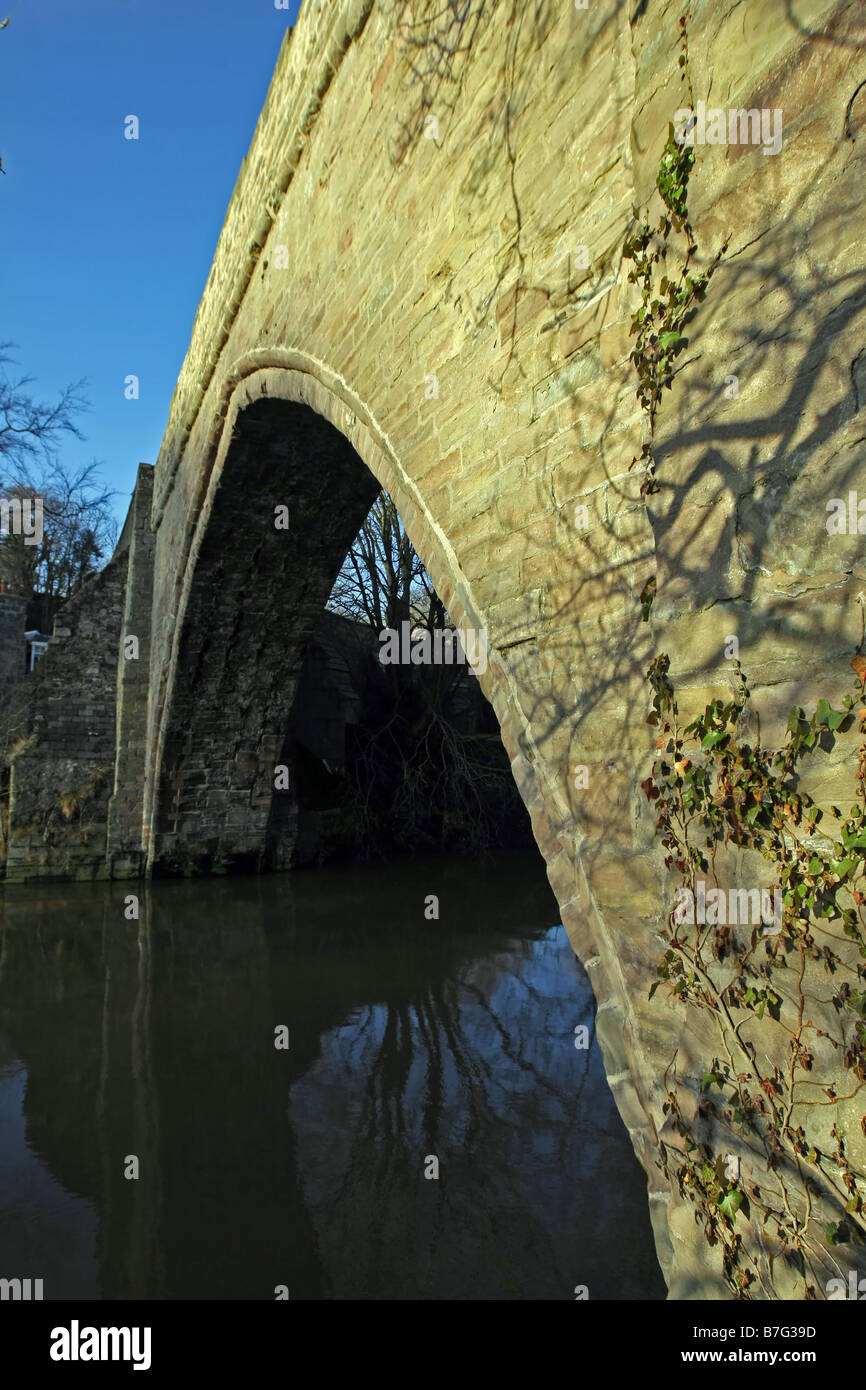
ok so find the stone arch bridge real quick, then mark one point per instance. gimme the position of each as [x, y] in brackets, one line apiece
[420, 284]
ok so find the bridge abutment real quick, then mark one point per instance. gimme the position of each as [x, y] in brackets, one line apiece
[124, 829]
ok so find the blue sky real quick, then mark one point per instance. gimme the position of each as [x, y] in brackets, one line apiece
[105, 243]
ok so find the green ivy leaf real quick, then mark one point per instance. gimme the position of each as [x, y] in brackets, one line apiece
[822, 713]
[842, 867]
[714, 740]
[731, 1203]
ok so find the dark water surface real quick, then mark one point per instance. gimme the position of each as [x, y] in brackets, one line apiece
[409, 1040]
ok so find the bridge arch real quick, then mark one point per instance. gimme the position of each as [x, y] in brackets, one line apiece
[247, 595]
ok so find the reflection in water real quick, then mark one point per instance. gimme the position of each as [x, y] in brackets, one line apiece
[409, 1040]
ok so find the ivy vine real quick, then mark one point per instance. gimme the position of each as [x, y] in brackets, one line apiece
[669, 286]
[711, 787]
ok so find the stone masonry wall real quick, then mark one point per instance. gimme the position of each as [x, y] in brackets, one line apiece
[256, 592]
[133, 671]
[61, 778]
[13, 615]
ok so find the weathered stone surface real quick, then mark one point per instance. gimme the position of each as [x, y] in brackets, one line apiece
[13, 611]
[62, 767]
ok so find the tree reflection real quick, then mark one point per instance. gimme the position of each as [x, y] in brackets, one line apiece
[306, 1167]
[478, 1069]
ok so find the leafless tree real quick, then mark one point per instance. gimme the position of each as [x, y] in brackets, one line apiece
[78, 532]
[426, 765]
[30, 429]
[383, 581]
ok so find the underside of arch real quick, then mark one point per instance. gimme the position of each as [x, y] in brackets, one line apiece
[247, 597]
[258, 587]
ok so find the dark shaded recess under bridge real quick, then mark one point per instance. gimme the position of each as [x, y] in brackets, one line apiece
[394, 759]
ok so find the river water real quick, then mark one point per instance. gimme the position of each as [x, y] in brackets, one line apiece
[414, 1045]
